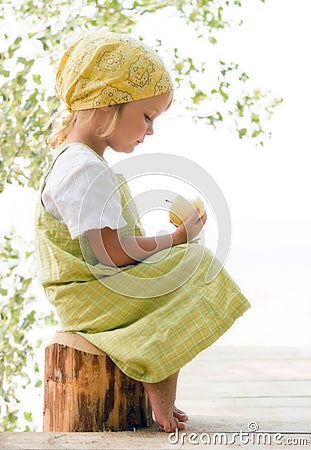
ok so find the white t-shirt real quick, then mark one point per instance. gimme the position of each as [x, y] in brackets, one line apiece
[81, 191]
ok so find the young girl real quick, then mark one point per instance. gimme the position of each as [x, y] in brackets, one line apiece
[89, 242]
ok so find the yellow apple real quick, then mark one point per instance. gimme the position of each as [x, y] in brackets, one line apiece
[181, 208]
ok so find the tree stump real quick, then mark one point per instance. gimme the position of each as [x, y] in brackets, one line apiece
[85, 391]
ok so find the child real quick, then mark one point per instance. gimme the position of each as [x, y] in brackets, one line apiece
[114, 87]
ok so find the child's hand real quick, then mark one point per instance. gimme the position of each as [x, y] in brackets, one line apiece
[190, 228]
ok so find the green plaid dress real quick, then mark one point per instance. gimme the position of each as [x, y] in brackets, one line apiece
[149, 328]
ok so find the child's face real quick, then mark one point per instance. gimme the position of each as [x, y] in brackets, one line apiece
[136, 121]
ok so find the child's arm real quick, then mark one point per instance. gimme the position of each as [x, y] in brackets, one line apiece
[114, 250]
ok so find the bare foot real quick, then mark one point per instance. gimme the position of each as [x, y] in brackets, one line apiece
[180, 415]
[162, 398]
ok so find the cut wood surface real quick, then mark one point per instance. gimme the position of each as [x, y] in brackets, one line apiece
[225, 390]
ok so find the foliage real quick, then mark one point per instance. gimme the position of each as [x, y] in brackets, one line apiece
[19, 316]
[249, 111]
[35, 33]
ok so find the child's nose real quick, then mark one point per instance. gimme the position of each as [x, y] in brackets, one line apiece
[150, 129]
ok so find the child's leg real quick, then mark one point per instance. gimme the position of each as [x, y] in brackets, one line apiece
[162, 398]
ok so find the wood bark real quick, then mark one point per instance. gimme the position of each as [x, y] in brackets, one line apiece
[87, 392]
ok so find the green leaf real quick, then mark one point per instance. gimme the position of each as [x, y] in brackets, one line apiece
[28, 416]
[212, 40]
[199, 97]
[4, 72]
[255, 118]
[256, 133]
[36, 78]
[240, 109]
[243, 77]
[242, 132]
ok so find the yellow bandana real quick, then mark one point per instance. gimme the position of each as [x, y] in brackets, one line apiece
[102, 69]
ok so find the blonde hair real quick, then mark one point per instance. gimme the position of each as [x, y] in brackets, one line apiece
[61, 131]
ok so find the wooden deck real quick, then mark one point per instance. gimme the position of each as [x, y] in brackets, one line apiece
[263, 392]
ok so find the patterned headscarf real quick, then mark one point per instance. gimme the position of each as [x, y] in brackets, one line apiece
[103, 68]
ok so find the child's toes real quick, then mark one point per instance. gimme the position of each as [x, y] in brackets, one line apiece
[175, 423]
[180, 415]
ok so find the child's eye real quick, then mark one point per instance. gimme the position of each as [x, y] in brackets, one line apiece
[147, 118]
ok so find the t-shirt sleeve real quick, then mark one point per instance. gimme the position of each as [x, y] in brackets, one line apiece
[86, 198]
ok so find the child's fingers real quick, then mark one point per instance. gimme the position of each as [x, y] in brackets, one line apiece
[204, 218]
[195, 223]
[195, 217]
